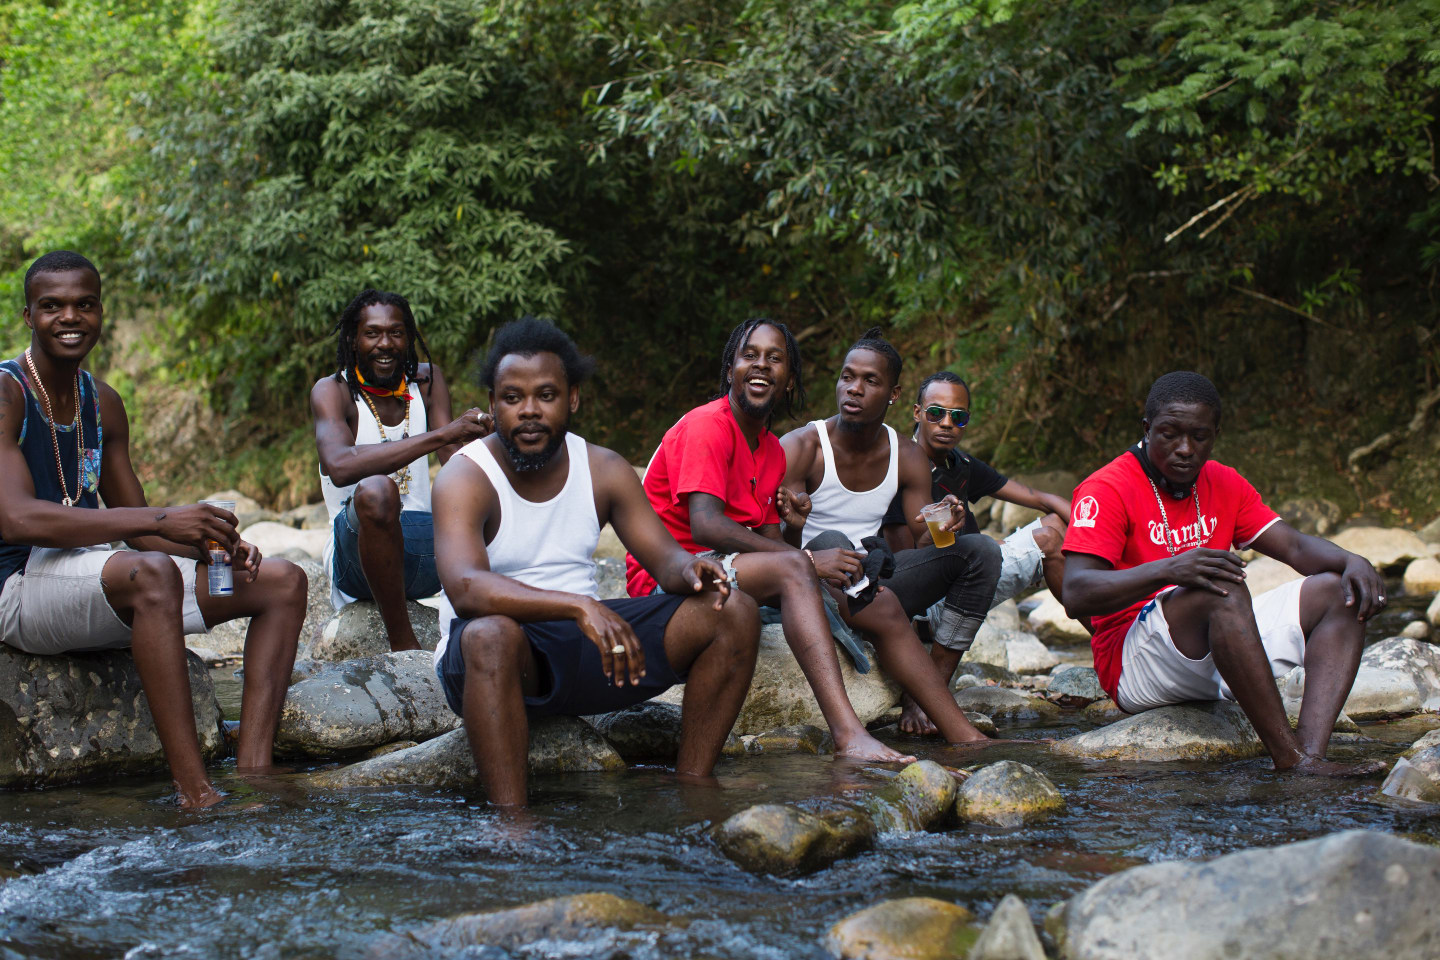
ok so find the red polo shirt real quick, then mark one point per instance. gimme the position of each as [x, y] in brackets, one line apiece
[705, 452]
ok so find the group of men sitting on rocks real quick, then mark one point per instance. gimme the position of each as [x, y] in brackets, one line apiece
[824, 529]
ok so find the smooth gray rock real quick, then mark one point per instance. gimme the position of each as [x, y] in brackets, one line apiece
[1007, 794]
[1001, 703]
[783, 840]
[1415, 777]
[1349, 896]
[358, 704]
[1416, 630]
[84, 716]
[557, 745]
[1378, 693]
[919, 798]
[1292, 695]
[569, 920]
[1431, 739]
[1422, 577]
[1053, 625]
[228, 639]
[1187, 731]
[1010, 649]
[274, 537]
[358, 631]
[1009, 935]
[911, 928]
[1386, 548]
[647, 732]
[1078, 685]
[1421, 660]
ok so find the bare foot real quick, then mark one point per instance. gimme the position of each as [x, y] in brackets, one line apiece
[200, 798]
[1319, 767]
[404, 644]
[914, 721]
[862, 746]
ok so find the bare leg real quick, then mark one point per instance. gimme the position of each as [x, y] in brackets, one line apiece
[382, 556]
[146, 590]
[718, 648]
[275, 602]
[1334, 640]
[500, 671]
[912, 718]
[789, 578]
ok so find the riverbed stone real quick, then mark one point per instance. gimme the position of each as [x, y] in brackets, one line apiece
[358, 631]
[913, 928]
[783, 840]
[1013, 650]
[274, 538]
[647, 732]
[1430, 739]
[982, 722]
[799, 738]
[1001, 704]
[1419, 659]
[1005, 616]
[1378, 693]
[228, 639]
[1415, 777]
[918, 798]
[1053, 625]
[359, 704]
[309, 516]
[1216, 730]
[1416, 630]
[84, 716]
[1078, 686]
[1264, 574]
[562, 918]
[1007, 794]
[1356, 894]
[1292, 695]
[1103, 711]
[1386, 548]
[1009, 935]
[1422, 577]
[780, 696]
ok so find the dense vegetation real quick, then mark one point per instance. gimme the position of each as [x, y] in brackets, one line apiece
[1058, 199]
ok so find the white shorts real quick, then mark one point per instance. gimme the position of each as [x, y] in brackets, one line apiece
[1155, 674]
[1020, 568]
[56, 603]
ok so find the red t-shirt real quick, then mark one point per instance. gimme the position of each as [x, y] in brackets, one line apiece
[705, 452]
[1114, 516]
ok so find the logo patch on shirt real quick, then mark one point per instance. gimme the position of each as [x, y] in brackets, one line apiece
[1085, 512]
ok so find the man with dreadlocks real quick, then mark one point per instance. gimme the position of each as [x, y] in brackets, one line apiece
[377, 420]
[842, 474]
[1148, 555]
[715, 482]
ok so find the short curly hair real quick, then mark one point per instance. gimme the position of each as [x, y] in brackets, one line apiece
[1182, 386]
[529, 336]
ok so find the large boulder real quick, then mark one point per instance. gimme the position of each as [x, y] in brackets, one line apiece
[1187, 731]
[1415, 777]
[358, 631]
[1001, 704]
[275, 538]
[1349, 896]
[1053, 625]
[915, 928]
[228, 639]
[1378, 693]
[1417, 658]
[1384, 547]
[647, 732]
[1009, 935]
[1007, 794]
[1422, 577]
[571, 918]
[1292, 695]
[557, 745]
[1013, 650]
[1430, 739]
[353, 706]
[780, 696]
[84, 716]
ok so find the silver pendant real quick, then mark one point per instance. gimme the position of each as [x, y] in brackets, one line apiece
[67, 502]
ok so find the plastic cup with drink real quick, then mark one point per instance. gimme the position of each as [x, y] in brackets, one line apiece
[936, 514]
[222, 574]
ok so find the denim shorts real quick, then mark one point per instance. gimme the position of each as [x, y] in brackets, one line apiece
[421, 579]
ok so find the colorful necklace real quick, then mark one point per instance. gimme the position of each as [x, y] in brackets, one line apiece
[401, 476]
[1165, 519]
[54, 439]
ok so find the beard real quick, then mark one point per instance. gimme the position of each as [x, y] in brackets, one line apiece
[843, 425]
[760, 411]
[375, 380]
[529, 462]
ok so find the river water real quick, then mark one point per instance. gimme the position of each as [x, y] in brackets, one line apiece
[112, 870]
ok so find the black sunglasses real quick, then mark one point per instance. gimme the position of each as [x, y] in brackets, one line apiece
[936, 414]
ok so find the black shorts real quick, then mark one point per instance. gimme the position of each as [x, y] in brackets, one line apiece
[571, 681]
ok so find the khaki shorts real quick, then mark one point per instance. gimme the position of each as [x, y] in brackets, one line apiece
[57, 604]
[1153, 673]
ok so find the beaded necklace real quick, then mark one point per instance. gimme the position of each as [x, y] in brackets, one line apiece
[54, 439]
[401, 476]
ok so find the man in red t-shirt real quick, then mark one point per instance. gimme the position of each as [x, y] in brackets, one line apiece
[715, 480]
[1148, 557]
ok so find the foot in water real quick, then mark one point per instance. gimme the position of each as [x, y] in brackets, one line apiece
[1320, 767]
[200, 799]
[862, 746]
[914, 721]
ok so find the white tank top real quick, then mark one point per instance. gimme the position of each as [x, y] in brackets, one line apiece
[834, 506]
[369, 430]
[549, 545]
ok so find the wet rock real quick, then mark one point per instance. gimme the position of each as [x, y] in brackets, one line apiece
[84, 716]
[1000, 703]
[1349, 895]
[780, 696]
[1013, 650]
[274, 538]
[915, 928]
[1311, 515]
[359, 704]
[1416, 630]
[395, 747]
[783, 840]
[228, 639]
[610, 577]
[801, 738]
[357, 631]
[303, 669]
[1380, 693]
[1385, 548]
[1415, 776]
[1292, 695]
[1422, 577]
[563, 918]
[647, 732]
[1053, 625]
[247, 510]
[1009, 935]
[984, 672]
[1078, 686]
[1431, 739]
[917, 799]
[1264, 574]
[982, 723]
[557, 745]
[1103, 711]
[1007, 794]
[1188, 731]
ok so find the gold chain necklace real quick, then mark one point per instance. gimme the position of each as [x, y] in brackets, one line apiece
[1165, 519]
[401, 476]
[54, 439]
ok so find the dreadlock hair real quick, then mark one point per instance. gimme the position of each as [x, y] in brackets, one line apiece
[1182, 386]
[529, 336]
[872, 340]
[57, 261]
[794, 398]
[944, 376]
[349, 325]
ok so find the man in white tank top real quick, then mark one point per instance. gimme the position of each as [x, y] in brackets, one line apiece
[523, 632]
[377, 420]
[840, 478]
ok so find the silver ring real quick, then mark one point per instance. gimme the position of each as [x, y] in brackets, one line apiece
[618, 649]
